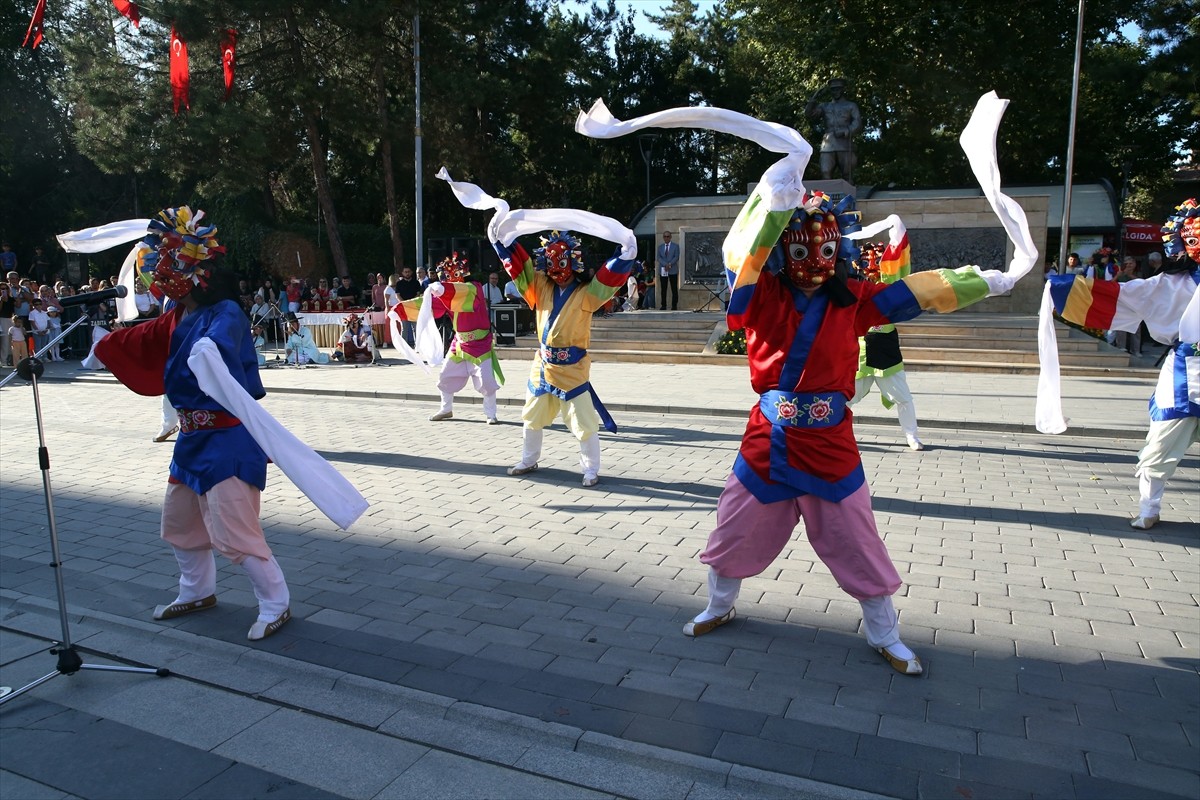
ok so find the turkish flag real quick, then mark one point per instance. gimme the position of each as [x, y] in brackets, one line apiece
[128, 10]
[35, 25]
[228, 58]
[179, 72]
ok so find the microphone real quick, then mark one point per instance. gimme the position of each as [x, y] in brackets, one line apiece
[93, 298]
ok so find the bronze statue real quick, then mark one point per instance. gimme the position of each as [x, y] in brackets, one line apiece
[841, 120]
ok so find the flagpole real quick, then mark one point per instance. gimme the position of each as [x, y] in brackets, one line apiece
[417, 168]
[1066, 218]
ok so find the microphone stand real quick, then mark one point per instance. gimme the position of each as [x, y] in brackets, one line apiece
[69, 660]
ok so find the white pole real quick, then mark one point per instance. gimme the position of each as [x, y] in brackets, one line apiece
[1066, 218]
[417, 167]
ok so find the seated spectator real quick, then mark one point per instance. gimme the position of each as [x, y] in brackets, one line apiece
[147, 304]
[300, 348]
[294, 292]
[357, 345]
[260, 341]
[321, 293]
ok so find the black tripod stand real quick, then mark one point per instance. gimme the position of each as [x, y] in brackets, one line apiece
[69, 660]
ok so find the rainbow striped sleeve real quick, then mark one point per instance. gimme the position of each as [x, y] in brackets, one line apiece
[519, 266]
[459, 296]
[942, 290]
[407, 310]
[896, 263]
[614, 273]
[747, 246]
[1084, 301]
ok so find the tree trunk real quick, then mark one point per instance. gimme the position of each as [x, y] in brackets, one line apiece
[389, 177]
[317, 148]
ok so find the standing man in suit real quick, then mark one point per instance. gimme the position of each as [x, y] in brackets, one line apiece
[667, 263]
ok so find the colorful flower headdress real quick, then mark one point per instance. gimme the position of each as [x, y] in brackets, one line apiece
[351, 319]
[176, 249]
[1184, 223]
[558, 245]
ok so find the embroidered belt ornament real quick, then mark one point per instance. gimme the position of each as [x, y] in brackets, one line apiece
[561, 355]
[194, 419]
[817, 412]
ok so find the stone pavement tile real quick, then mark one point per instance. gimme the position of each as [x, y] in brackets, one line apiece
[804, 734]
[568, 686]
[663, 684]
[716, 674]
[17, 786]
[1089, 787]
[1059, 690]
[1092, 740]
[1140, 725]
[931, 785]
[672, 734]
[1185, 783]
[601, 775]
[587, 670]
[906, 754]
[766, 702]
[1018, 748]
[157, 706]
[77, 752]
[962, 740]
[882, 702]
[1165, 753]
[842, 718]
[887, 779]
[1182, 708]
[445, 775]
[507, 698]
[647, 703]
[774, 756]
[241, 782]
[724, 717]
[588, 716]
[1040, 781]
[336, 757]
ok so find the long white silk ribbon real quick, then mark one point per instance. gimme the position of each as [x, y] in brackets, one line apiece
[327, 488]
[102, 237]
[506, 225]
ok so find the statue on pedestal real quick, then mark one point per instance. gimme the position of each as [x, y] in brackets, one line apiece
[841, 119]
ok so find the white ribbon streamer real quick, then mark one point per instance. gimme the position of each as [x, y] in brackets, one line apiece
[327, 488]
[102, 237]
[506, 225]
[781, 185]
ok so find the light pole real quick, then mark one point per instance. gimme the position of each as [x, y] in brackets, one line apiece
[646, 143]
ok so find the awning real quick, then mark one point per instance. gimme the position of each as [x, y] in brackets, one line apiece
[1138, 230]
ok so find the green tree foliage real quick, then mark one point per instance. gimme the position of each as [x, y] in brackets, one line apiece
[88, 134]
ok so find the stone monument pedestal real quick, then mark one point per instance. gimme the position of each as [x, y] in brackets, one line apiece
[836, 188]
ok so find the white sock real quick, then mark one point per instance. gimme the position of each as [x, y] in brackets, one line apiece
[1151, 490]
[589, 456]
[531, 446]
[270, 587]
[882, 626]
[722, 594]
[197, 574]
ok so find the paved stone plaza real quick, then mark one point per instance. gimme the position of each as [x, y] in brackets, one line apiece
[476, 634]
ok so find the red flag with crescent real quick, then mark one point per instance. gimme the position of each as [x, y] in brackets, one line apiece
[228, 58]
[35, 25]
[179, 71]
[129, 10]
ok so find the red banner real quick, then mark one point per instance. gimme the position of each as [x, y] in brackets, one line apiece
[179, 71]
[35, 25]
[1137, 230]
[129, 10]
[228, 58]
